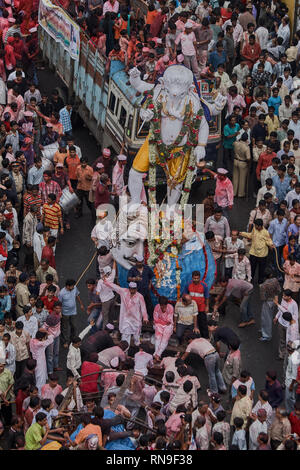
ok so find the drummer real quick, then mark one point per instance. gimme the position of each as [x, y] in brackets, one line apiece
[50, 137]
[61, 177]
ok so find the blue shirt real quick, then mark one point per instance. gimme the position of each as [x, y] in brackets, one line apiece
[228, 143]
[68, 300]
[5, 305]
[281, 187]
[147, 275]
[35, 175]
[282, 152]
[216, 59]
[239, 439]
[276, 102]
[65, 119]
[277, 231]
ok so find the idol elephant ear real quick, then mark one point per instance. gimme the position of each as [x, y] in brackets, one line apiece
[161, 81]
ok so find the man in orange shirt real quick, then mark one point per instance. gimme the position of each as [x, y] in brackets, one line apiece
[265, 160]
[71, 162]
[84, 175]
[88, 429]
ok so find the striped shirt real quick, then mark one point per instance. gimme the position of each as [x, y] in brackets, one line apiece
[48, 188]
[30, 200]
[52, 215]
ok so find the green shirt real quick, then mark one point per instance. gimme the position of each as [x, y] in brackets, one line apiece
[33, 437]
[6, 379]
[228, 131]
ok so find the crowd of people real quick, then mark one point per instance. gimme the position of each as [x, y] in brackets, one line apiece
[113, 391]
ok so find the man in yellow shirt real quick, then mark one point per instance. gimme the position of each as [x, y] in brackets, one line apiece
[272, 120]
[260, 244]
[242, 406]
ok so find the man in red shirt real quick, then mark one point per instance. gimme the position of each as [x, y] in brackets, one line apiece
[89, 384]
[102, 193]
[50, 299]
[295, 419]
[48, 253]
[198, 291]
[265, 160]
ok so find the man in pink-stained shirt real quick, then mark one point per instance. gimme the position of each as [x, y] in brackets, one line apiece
[111, 5]
[51, 389]
[223, 191]
[234, 99]
[188, 42]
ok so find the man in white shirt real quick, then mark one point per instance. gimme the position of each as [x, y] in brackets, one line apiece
[74, 354]
[291, 374]
[241, 70]
[142, 360]
[106, 294]
[265, 405]
[293, 194]
[294, 125]
[2, 273]
[103, 231]
[287, 305]
[204, 349]
[30, 323]
[10, 362]
[263, 35]
[114, 353]
[231, 245]
[267, 188]
[111, 6]
[259, 425]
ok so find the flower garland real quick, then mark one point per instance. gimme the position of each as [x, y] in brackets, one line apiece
[160, 154]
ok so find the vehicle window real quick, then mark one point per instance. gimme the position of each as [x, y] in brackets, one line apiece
[123, 115]
[129, 126]
[142, 133]
[112, 102]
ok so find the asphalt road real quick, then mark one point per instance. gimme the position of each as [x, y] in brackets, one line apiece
[75, 250]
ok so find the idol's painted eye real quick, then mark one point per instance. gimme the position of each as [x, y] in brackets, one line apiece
[130, 243]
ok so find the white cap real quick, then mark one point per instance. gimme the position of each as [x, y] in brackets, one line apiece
[109, 326]
[188, 24]
[222, 171]
[107, 269]
[33, 30]
[2, 258]
[122, 157]
[114, 362]
[132, 285]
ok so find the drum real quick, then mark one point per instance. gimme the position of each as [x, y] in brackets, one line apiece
[2, 353]
[68, 200]
[47, 164]
[49, 151]
[2, 92]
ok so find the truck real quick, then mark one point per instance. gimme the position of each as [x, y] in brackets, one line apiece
[107, 103]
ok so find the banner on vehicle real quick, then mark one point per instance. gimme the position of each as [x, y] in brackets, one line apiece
[60, 26]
